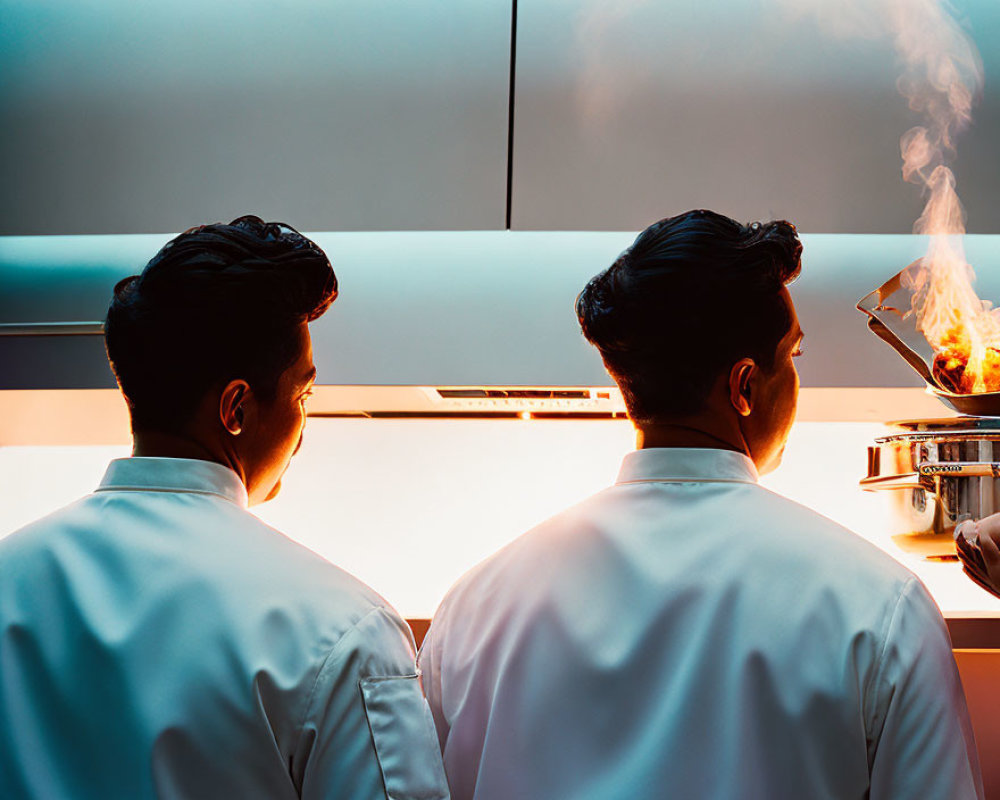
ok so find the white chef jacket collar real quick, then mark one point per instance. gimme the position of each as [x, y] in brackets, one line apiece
[143, 474]
[687, 464]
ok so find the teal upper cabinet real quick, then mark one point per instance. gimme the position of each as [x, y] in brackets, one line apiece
[626, 112]
[126, 116]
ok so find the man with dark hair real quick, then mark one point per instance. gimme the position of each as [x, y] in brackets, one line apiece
[687, 633]
[157, 639]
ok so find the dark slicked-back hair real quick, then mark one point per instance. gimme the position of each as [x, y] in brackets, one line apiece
[692, 295]
[217, 303]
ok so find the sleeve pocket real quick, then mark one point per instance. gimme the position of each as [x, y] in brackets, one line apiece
[406, 744]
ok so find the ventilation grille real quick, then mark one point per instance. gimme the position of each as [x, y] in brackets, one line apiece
[468, 401]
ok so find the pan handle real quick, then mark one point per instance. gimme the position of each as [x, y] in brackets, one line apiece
[883, 332]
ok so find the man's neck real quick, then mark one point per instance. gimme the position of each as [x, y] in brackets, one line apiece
[691, 433]
[163, 444]
[159, 444]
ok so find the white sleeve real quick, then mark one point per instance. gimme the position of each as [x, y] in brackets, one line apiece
[368, 734]
[917, 720]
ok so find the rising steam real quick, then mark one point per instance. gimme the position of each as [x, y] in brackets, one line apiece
[942, 79]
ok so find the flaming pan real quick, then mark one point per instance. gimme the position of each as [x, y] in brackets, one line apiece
[889, 318]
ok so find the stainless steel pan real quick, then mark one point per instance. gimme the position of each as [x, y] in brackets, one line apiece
[890, 318]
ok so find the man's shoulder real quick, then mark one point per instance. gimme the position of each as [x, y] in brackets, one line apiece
[329, 605]
[304, 571]
[802, 533]
[239, 566]
[273, 571]
[33, 536]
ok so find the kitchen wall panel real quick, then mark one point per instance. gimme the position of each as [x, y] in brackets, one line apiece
[628, 112]
[129, 116]
[455, 308]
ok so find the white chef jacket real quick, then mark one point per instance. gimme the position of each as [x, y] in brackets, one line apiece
[158, 640]
[687, 633]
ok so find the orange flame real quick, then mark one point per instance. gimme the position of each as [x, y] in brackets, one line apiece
[943, 77]
[962, 329]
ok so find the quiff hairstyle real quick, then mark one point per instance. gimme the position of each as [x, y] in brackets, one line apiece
[692, 295]
[217, 303]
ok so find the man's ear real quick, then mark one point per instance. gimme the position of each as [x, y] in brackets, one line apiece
[232, 406]
[742, 378]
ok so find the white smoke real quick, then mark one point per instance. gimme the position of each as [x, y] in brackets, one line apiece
[942, 77]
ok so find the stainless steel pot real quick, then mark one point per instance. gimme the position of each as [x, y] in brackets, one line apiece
[936, 473]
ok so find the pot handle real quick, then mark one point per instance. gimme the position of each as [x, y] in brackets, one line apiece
[907, 480]
[959, 469]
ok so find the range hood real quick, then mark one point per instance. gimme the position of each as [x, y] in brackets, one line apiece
[440, 323]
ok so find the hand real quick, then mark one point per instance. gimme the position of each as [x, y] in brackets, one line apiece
[978, 546]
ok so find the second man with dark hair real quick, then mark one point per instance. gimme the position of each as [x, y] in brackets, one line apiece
[687, 633]
[159, 641]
